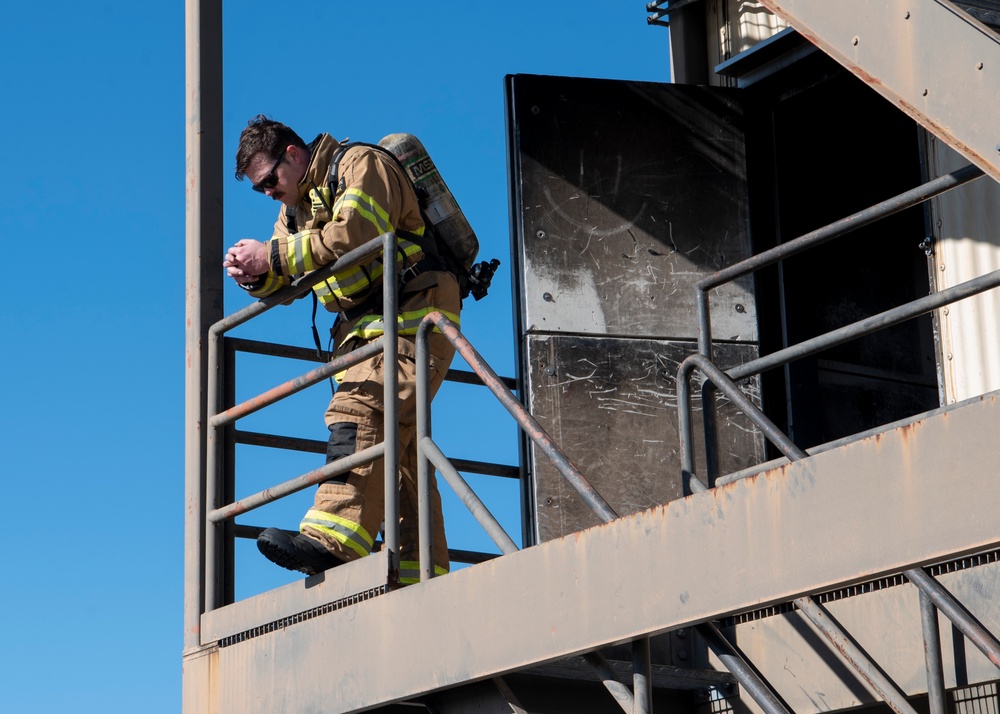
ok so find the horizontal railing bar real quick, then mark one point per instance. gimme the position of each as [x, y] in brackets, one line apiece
[312, 478]
[485, 468]
[308, 354]
[300, 287]
[886, 208]
[867, 325]
[463, 376]
[315, 446]
[273, 441]
[274, 349]
[293, 386]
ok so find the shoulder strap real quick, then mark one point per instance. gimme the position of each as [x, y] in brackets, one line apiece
[333, 174]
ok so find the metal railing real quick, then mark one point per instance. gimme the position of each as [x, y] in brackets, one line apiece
[430, 454]
[932, 594]
[221, 357]
[218, 418]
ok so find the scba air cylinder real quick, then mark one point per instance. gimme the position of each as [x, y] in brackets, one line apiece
[440, 206]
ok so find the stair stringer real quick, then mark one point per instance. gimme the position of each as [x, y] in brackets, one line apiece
[914, 495]
[928, 57]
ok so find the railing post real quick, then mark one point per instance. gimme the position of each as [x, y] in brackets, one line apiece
[423, 467]
[642, 683]
[390, 312]
[966, 623]
[932, 655]
[213, 447]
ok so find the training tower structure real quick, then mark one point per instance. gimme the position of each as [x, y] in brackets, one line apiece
[757, 361]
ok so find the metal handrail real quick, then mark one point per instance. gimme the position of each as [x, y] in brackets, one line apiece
[216, 514]
[929, 588]
[217, 419]
[428, 452]
[505, 396]
[862, 218]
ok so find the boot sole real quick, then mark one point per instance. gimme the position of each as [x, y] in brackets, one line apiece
[287, 556]
[279, 556]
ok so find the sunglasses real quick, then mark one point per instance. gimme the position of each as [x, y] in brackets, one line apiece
[271, 180]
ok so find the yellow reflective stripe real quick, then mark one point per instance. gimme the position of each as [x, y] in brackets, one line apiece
[408, 248]
[409, 571]
[272, 283]
[366, 206]
[353, 280]
[374, 325]
[347, 532]
[323, 291]
[298, 253]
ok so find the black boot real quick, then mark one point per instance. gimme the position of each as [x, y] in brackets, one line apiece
[296, 552]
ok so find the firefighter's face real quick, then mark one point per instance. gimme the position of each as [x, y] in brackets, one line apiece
[278, 178]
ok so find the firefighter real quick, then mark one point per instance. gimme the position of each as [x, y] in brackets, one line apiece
[335, 200]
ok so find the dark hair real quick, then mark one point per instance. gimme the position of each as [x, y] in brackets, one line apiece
[263, 136]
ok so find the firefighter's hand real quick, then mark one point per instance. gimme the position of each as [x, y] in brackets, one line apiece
[246, 260]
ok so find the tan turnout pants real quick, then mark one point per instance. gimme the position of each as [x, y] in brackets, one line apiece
[348, 510]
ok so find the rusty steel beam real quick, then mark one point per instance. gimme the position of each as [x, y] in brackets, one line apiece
[598, 586]
[928, 57]
[203, 272]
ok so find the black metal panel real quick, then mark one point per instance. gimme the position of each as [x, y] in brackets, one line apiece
[624, 195]
[611, 404]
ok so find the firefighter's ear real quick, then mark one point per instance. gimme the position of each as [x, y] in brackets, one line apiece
[298, 159]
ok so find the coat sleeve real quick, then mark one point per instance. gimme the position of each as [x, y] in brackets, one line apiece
[273, 280]
[370, 199]
[368, 202]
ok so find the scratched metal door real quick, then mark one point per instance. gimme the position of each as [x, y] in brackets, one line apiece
[623, 195]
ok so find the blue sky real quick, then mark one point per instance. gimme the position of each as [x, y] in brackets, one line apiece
[92, 432]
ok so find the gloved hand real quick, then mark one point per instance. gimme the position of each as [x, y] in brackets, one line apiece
[246, 261]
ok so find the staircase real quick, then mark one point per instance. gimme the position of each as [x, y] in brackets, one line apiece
[930, 58]
[921, 493]
[863, 572]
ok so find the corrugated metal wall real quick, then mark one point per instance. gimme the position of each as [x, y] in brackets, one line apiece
[965, 225]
